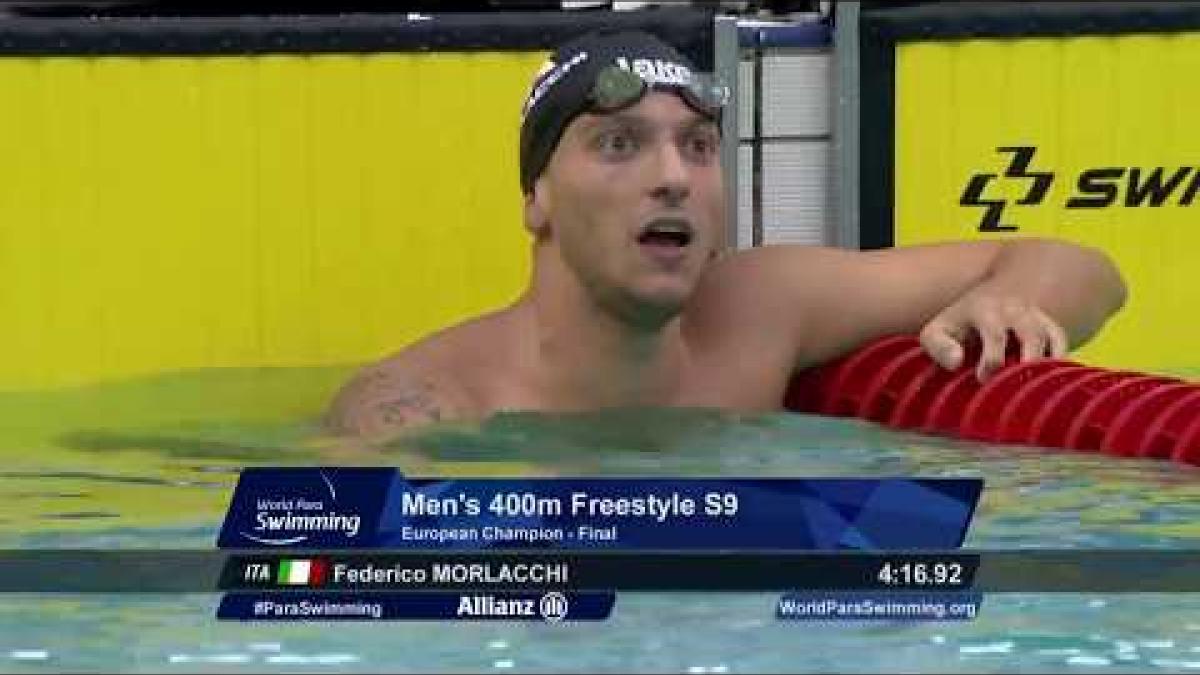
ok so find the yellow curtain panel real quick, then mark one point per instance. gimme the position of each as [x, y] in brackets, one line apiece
[1093, 139]
[171, 213]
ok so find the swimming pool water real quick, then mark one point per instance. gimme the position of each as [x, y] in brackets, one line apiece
[151, 464]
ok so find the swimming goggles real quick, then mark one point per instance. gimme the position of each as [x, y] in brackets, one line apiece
[616, 88]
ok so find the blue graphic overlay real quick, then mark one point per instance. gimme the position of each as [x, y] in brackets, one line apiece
[549, 606]
[379, 508]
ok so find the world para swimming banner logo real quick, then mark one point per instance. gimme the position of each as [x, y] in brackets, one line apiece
[1023, 182]
[304, 508]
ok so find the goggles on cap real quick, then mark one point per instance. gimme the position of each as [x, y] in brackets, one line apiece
[616, 88]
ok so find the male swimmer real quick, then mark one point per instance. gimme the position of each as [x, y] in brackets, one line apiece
[633, 300]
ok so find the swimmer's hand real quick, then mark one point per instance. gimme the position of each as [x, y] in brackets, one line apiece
[992, 316]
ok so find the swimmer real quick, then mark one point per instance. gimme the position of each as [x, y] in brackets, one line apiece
[633, 300]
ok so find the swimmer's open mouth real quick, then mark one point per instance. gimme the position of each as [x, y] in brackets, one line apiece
[666, 232]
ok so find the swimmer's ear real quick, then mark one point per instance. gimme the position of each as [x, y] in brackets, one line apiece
[537, 219]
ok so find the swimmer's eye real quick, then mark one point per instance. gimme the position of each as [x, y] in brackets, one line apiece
[700, 145]
[616, 144]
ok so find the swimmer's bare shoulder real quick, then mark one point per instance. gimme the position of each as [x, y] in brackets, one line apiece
[427, 383]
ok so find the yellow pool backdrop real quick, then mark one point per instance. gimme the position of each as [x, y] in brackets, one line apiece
[162, 214]
[1113, 121]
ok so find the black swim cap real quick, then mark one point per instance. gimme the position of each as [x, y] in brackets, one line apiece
[562, 88]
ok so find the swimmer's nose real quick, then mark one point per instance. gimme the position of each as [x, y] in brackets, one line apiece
[672, 178]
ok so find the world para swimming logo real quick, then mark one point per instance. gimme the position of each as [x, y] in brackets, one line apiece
[297, 511]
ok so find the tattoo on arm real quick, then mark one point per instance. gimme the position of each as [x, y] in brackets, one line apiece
[381, 401]
[415, 404]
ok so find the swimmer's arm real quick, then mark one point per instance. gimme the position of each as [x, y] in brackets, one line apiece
[1057, 293]
[383, 402]
[807, 305]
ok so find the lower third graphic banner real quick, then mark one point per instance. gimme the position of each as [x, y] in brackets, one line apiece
[550, 606]
[355, 508]
[623, 571]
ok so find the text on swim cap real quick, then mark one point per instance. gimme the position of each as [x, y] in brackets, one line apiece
[657, 71]
[552, 74]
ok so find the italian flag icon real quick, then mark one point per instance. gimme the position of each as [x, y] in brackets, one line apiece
[305, 572]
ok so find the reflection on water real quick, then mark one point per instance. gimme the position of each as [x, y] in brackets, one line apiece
[119, 467]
